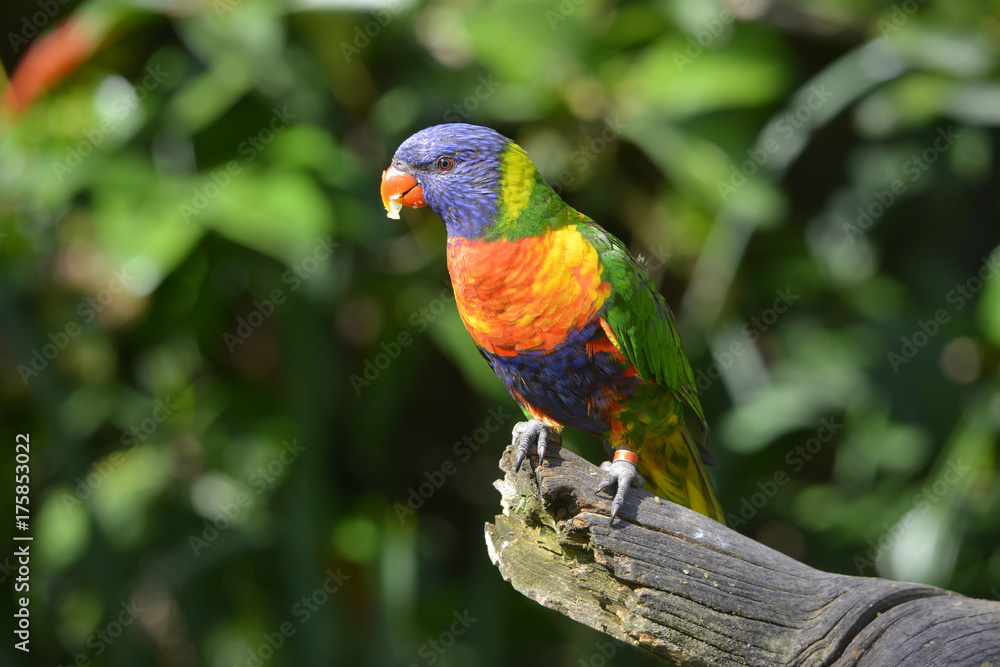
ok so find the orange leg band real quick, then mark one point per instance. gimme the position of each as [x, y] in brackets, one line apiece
[631, 457]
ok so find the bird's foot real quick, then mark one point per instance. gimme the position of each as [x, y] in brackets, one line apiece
[534, 431]
[621, 472]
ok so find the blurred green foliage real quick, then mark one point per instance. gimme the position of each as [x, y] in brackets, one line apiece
[240, 379]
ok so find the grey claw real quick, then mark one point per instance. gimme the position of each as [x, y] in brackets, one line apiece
[516, 438]
[623, 474]
[605, 483]
[551, 436]
[618, 501]
[519, 459]
[524, 433]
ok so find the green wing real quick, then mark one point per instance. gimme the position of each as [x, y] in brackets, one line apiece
[641, 320]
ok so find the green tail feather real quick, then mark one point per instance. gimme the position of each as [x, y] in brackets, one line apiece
[669, 457]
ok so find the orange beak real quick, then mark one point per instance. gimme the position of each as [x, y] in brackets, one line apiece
[399, 189]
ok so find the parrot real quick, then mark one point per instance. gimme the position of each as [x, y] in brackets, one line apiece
[568, 320]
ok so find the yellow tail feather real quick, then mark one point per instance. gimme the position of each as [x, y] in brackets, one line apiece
[673, 470]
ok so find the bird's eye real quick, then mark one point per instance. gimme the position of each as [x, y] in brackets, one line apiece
[445, 163]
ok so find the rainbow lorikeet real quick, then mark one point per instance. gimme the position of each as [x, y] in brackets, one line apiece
[566, 318]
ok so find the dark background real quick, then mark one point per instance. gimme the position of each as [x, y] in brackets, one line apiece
[238, 375]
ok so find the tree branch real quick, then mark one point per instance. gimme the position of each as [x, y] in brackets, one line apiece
[689, 591]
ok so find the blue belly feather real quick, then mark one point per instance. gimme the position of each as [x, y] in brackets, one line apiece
[566, 383]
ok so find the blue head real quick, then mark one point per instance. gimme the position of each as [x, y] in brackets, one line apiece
[457, 170]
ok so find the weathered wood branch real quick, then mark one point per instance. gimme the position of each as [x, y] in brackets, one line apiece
[689, 591]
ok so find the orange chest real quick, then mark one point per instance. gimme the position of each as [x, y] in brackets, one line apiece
[529, 294]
